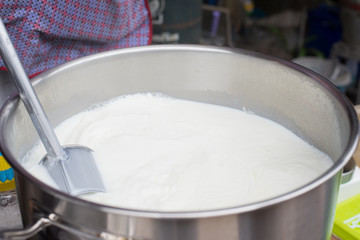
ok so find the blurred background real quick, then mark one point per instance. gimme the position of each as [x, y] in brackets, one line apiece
[321, 35]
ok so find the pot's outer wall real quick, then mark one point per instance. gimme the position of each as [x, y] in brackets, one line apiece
[309, 216]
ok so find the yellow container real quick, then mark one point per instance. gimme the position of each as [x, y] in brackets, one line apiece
[7, 181]
[10, 217]
[347, 219]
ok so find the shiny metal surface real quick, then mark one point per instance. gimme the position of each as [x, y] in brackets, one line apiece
[295, 97]
[72, 168]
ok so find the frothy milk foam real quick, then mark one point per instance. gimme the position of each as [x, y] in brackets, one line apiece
[164, 154]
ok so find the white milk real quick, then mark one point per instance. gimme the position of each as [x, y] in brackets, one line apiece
[160, 153]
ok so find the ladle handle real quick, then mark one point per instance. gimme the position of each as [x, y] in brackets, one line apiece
[28, 95]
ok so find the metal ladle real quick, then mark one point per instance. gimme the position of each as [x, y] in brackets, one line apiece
[73, 168]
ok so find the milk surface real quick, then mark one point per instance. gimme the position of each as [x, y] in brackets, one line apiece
[164, 154]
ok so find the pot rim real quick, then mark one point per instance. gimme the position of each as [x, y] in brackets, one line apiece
[335, 169]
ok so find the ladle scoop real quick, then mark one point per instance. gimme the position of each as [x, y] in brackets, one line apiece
[73, 168]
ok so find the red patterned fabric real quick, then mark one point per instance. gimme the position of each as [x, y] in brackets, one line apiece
[47, 33]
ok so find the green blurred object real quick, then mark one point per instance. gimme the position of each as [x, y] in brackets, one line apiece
[347, 219]
[177, 21]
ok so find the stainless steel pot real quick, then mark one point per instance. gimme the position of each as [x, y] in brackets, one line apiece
[287, 93]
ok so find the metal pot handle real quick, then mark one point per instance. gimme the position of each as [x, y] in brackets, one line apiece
[53, 220]
[28, 232]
